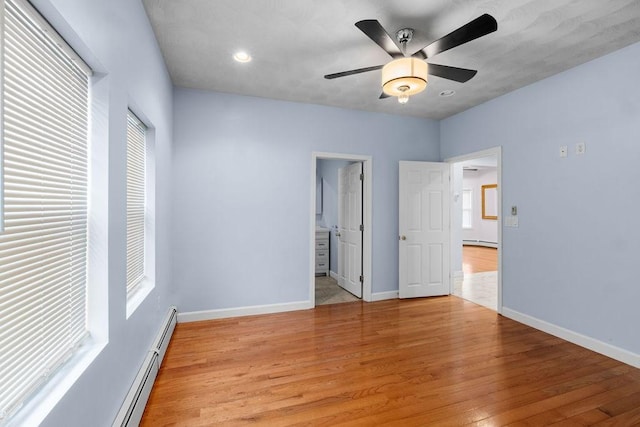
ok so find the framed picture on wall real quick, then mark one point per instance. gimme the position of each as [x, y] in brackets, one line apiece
[490, 201]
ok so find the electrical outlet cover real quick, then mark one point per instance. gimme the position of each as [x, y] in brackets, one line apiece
[563, 151]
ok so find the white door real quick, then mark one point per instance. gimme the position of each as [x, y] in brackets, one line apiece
[424, 229]
[349, 229]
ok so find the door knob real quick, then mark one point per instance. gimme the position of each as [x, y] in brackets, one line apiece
[403, 237]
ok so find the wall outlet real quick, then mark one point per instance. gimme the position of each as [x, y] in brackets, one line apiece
[581, 148]
[563, 151]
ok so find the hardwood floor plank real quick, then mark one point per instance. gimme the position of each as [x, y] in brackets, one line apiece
[588, 418]
[628, 418]
[438, 361]
[616, 388]
[620, 406]
[479, 259]
[471, 405]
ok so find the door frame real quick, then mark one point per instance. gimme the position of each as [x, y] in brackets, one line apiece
[367, 216]
[497, 152]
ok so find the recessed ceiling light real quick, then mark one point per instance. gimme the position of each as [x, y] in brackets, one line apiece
[448, 92]
[242, 56]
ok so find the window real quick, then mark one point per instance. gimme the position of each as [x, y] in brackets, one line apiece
[467, 210]
[136, 198]
[43, 247]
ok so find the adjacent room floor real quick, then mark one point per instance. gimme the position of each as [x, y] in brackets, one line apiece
[480, 283]
[329, 292]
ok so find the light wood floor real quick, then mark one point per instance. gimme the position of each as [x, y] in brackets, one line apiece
[422, 362]
[478, 259]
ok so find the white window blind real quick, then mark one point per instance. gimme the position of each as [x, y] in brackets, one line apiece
[136, 156]
[43, 248]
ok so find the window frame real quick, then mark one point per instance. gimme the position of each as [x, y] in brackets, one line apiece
[138, 293]
[33, 402]
[136, 183]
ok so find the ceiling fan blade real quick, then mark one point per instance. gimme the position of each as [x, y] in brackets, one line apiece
[451, 73]
[373, 30]
[479, 27]
[352, 72]
[383, 96]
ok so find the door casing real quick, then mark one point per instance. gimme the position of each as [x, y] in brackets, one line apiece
[497, 152]
[366, 219]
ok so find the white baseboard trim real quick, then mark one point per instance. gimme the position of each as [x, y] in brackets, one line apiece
[609, 350]
[333, 275]
[457, 275]
[480, 243]
[381, 296]
[196, 316]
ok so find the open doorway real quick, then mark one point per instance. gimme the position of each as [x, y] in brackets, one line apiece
[338, 235]
[475, 228]
[341, 222]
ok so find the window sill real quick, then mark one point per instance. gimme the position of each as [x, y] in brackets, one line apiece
[36, 409]
[138, 295]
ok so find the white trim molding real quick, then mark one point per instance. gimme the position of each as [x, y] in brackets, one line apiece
[480, 243]
[223, 313]
[593, 344]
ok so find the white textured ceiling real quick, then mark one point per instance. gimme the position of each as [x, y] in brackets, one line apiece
[294, 43]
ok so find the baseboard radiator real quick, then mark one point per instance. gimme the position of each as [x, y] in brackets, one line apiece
[480, 243]
[133, 406]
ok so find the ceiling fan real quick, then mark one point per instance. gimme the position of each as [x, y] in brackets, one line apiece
[408, 75]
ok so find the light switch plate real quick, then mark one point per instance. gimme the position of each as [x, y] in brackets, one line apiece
[581, 148]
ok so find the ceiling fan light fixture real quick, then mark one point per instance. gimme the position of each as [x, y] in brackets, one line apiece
[405, 76]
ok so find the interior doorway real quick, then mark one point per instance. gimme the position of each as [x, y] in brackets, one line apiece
[342, 221]
[476, 232]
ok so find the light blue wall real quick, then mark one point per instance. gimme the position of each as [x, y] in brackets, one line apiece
[242, 177]
[117, 40]
[573, 260]
[328, 170]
